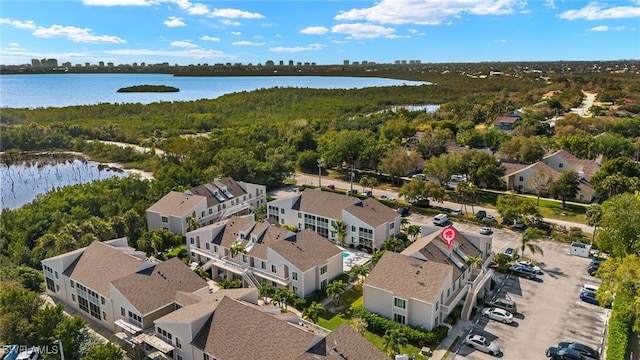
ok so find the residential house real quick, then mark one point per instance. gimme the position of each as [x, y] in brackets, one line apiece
[550, 94]
[506, 122]
[518, 177]
[208, 203]
[368, 222]
[229, 324]
[422, 285]
[303, 262]
[114, 285]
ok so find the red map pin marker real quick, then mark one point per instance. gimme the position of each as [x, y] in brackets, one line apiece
[449, 234]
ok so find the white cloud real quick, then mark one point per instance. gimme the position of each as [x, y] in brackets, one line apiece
[230, 22]
[247, 43]
[119, 2]
[310, 47]
[194, 54]
[28, 24]
[550, 3]
[398, 36]
[422, 12]
[209, 38]
[339, 42]
[236, 33]
[597, 11]
[362, 31]
[173, 21]
[314, 30]
[184, 44]
[235, 14]
[76, 35]
[599, 28]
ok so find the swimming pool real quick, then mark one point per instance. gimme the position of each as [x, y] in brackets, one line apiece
[345, 254]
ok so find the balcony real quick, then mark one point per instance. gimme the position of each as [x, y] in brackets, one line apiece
[454, 299]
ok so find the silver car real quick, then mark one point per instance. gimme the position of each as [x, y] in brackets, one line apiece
[498, 315]
[481, 343]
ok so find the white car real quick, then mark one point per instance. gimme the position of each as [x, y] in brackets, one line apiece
[481, 343]
[383, 197]
[498, 315]
[529, 266]
[589, 288]
[486, 231]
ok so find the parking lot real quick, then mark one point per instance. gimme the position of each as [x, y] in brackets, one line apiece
[549, 309]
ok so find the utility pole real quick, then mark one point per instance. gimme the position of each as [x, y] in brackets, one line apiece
[320, 163]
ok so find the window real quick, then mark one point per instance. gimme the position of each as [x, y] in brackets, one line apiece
[323, 284]
[73, 284]
[122, 312]
[323, 270]
[102, 299]
[83, 304]
[57, 288]
[399, 318]
[392, 225]
[56, 275]
[104, 315]
[206, 246]
[202, 214]
[295, 290]
[437, 305]
[178, 357]
[273, 268]
[400, 303]
[94, 310]
[51, 285]
[294, 275]
[215, 248]
[210, 211]
[73, 297]
[165, 219]
[448, 292]
[282, 211]
[244, 258]
[178, 343]
[560, 165]
[205, 357]
[521, 178]
[299, 215]
[353, 228]
[191, 240]
[263, 265]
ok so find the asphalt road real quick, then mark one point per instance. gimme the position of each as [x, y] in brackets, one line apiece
[313, 180]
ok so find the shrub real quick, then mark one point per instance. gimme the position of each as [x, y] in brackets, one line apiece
[618, 337]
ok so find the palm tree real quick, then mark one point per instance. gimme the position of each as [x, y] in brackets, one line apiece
[404, 222]
[359, 325]
[335, 289]
[413, 231]
[594, 215]
[312, 312]
[340, 229]
[376, 257]
[265, 290]
[236, 248]
[528, 238]
[360, 271]
[192, 223]
[474, 261]
[393, 340]
[283, 296]
[467, 192]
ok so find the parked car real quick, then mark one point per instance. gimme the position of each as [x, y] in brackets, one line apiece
[593, 267]
[459, 177]
[589, 297]
[403, 211]
[383, 198]
[331, 187]
[481, 214]
[481, 343]
[557, 353]
[489, 218]
[511, 252]
[486, 230]
[581, 348]
[529, 265]
[503, 303]
[498, 314]
[589, 287]
[456, 212]
[440, 219]
[449, 187]
[368, 193]
[421, 177]
[519, 225]
[522, 272]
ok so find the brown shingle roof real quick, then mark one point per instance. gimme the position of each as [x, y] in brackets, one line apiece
[236, 331]
[207, 190]
[344, 343]
[373, 212]
[156, 287]
[204, 307]
[505, 120]
[409, 278]
[588, 167]
[325, 203]
[271, 235]
[232, 230]
[306, 250]
[175, 204]
[100, 264]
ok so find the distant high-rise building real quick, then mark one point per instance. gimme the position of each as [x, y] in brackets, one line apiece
[87, 64]
[345, 63]
[365, 62]
[269, 63]
[49, 63]
[101, 63]
[281, 62]
[290, 62]
[110, 65]
[35, 63]
[397, 62]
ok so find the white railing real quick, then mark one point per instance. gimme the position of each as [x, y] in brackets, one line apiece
[269, 275]
[251, 279]
[455, 299]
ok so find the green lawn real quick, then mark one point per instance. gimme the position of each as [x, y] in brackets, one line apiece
[353, 299]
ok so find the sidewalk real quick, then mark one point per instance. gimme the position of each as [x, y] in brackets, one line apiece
[460, 330]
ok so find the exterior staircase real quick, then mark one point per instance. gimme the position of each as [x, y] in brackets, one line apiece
[250, 279]
[472, 295]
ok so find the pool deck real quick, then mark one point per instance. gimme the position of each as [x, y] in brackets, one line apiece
[355, 258]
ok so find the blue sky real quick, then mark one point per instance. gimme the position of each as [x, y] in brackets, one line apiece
[325, 32]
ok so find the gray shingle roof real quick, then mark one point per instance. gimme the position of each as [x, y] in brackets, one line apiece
[344, 343]
[218, 185]
[325, 203]
[156, 287]
[409, 278]
[236, 331]
[204, 307]
[306, 250]
[100, 264]
[372, 212]
[175, 204]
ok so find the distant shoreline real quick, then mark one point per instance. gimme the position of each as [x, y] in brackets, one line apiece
[148, 88]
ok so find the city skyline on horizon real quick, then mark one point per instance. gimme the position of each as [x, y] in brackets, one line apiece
[321, 32]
